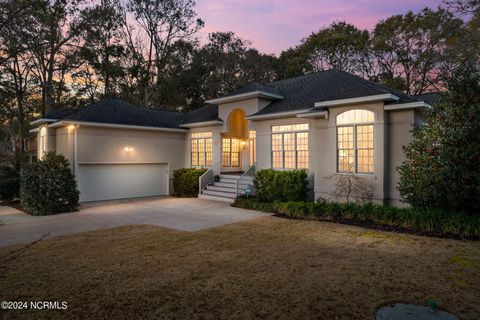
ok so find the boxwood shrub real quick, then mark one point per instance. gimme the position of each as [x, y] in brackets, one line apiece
[422, 221]
[185, 181]
[271, 185]
[9, 183]
[48, 186]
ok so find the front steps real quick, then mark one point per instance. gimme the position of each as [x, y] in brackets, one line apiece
[225, 189]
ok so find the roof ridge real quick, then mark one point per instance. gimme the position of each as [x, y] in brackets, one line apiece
[302, 76]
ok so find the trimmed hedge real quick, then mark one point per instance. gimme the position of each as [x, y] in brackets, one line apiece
[185, 182]
[422, 221]
[271, 185]
[9, 183]
[48, 186]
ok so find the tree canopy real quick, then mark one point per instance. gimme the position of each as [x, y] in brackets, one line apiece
[68, 53]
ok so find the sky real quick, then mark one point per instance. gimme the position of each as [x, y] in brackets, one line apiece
[275, 25]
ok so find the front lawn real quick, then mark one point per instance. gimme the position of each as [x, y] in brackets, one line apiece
[264, 268]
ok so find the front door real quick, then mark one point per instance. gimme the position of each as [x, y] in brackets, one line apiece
[230, 154]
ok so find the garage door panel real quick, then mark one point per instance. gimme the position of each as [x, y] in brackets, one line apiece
[119, 181]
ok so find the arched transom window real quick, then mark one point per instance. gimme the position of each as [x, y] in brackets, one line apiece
[355, 150]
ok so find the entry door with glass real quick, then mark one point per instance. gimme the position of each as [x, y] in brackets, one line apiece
[231, 153]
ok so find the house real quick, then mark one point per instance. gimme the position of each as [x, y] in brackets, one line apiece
[331, 123]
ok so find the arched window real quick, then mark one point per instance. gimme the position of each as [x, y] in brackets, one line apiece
[42, 142]
[355, 150]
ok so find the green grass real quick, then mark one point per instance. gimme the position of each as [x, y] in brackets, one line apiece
[421, 221]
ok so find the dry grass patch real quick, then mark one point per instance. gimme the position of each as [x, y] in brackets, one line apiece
[265, 268]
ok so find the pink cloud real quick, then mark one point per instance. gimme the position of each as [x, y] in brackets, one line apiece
[275, 25]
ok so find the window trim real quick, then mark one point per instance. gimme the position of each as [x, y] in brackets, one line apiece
[230, 152]
[355, 149]
[252, 147]
[196, 139]
[282, 151]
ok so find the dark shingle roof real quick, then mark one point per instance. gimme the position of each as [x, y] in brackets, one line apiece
[302, 92]
[115, 111]
[429, 97]
[60, 113]
[298, 93]
[208, 112]
[255, 87]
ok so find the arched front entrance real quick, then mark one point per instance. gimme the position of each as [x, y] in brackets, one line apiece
[234, 141]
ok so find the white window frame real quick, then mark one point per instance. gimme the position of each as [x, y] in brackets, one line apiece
[282, 151]
[355, 148]
[203, 153]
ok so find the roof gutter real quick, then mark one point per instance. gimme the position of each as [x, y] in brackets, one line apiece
[277, 115]
[366, 99]
[314, 114]
[202, 124]
[405, 106]
[243, 96]
[114, 126]
[43, 120]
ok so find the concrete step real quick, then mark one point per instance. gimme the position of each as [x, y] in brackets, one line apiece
[235, 177]
[231, 195]
[242, 184]
[228, 177]
[222, 189]
[225, 184]
[215, 198]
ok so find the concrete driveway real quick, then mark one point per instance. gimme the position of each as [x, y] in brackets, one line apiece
[185, 214]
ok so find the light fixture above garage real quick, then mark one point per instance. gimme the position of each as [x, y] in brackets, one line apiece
[128, 149]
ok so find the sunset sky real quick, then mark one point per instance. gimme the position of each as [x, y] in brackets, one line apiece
[274, 25]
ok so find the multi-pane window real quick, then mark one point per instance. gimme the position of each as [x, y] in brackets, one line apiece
[355, 150]
[201, 149]
[290, 146]
[231, 152]
[252, 147]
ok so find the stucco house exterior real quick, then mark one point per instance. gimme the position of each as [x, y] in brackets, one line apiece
[331, 123]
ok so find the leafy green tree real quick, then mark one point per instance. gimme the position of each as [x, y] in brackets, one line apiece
[225, 63]
[442, 166]
[409, 48]
[340, 46]
[103, 48]
[163, 23]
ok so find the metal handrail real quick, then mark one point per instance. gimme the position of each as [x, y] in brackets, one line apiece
[250, 172]
[207, 177]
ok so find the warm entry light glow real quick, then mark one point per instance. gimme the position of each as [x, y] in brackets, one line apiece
[128, 149]
[243, 143]
[71, 127]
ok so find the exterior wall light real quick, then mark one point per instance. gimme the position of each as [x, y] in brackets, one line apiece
[243, 144]
[128, 149]
[71, 127]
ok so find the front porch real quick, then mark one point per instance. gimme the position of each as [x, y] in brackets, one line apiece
[229, 153]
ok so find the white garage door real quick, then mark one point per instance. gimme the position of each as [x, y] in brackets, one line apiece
[119, 181]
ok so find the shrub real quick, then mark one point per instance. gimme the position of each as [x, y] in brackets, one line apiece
[254, 204]
[271, 185]
[424, 221]
[442, 165]
[185, 181]
[48, 186]
[9, 183]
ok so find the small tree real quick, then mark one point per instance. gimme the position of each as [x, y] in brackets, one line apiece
[442, 166]
[348, 186]
[48, 186]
